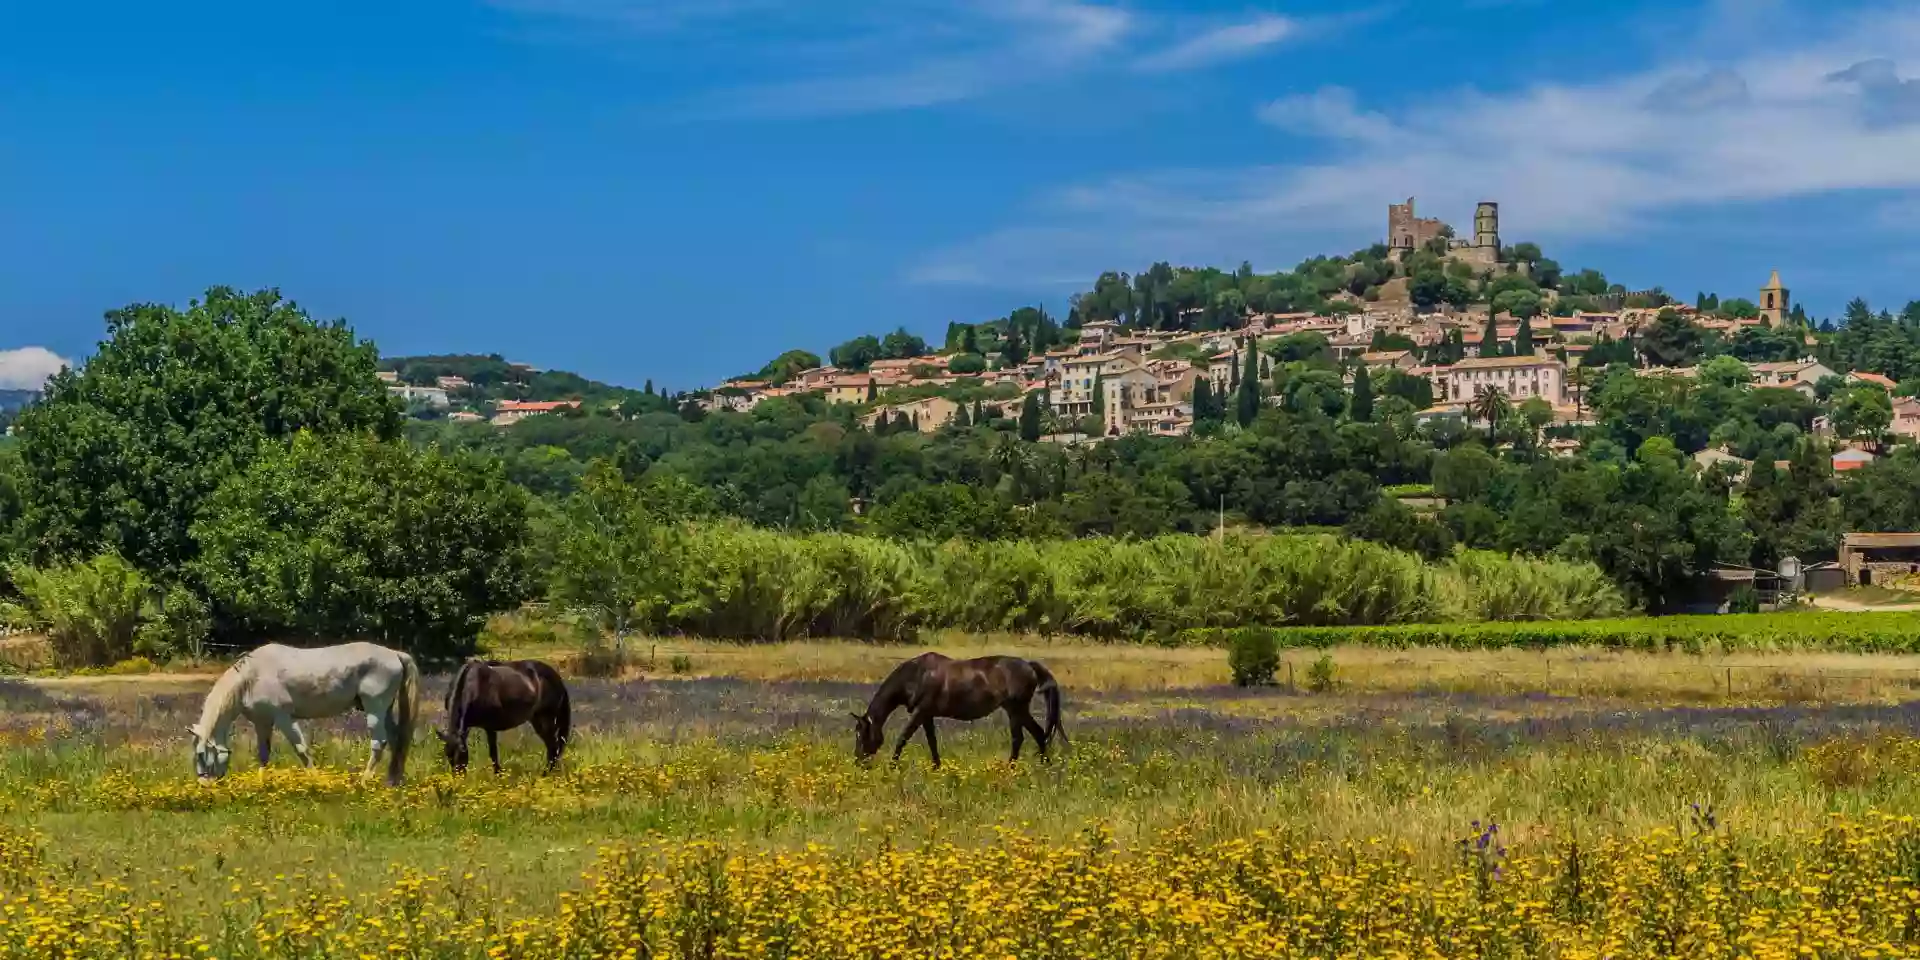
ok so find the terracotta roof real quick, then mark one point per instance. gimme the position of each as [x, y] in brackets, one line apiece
[1495, 363]
[1873, 378]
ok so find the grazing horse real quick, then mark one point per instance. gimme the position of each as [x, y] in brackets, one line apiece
[495, 696]
[931, 685]
[275, 686]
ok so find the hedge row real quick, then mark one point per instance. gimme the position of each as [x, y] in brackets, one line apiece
[1893, 632]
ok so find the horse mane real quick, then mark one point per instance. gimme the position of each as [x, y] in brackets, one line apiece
[454, 692]
[223, 700]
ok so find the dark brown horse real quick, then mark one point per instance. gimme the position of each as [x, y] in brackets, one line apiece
[494, 697]
[931, 685]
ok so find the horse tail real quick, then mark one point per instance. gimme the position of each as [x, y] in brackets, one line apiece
[1050, 691]
[400, 718]
[563, 716]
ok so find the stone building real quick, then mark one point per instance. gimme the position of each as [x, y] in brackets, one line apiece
[1407, 232]
[1774, 301]
[1518, 378]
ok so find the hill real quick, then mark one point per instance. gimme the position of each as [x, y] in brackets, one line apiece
[15, 399]
[481, 379]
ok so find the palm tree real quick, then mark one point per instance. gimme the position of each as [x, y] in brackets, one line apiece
[1490, 405]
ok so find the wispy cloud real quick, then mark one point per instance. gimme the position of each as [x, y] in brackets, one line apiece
[1822, 115]
[986, 47]
[1222, 43]
[28, 368]
[842, 56]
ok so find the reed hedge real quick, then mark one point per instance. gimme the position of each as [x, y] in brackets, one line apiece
[1891, 632]
[736, 582]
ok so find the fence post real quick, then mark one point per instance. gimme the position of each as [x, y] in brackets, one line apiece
[1729, 683]
[1290, 685]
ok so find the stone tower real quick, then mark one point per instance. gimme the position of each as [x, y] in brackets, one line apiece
[1486, 225]
[1775, 305]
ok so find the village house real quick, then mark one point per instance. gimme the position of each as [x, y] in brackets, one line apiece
[851, 388]
[450, 384]
[1384, 360]
[509, 412]
[1906, 418]
[1518, 378]
[1799, 375]
[431, 396]
[1096, 337]
[927, 414]
[465, 416]
[1859, 377]
[388, 376]
[1845, 460]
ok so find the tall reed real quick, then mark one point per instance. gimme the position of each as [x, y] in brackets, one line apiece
[736, 582]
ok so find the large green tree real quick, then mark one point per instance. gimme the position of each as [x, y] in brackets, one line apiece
[121, 454]
[357, 537]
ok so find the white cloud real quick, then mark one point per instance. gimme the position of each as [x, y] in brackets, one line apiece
[983, 47]
[1331, 112]
[1223, 43]
[28, 368]
[787, 57]
[1824, 115]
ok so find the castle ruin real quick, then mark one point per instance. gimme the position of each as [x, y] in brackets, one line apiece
[1407, 232]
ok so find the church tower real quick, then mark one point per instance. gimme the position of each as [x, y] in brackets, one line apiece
[1486, 226]
[1774, 303]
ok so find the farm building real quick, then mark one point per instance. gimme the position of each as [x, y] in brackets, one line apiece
[1870, 558]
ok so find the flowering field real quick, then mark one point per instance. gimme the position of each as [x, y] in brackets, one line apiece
[722, 817]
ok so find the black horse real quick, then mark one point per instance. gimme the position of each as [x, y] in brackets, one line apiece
[495, 696]
[931, 685]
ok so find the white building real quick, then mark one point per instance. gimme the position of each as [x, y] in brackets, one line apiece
[1519, 378]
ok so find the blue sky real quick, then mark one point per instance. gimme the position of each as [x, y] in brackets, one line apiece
[677, 190]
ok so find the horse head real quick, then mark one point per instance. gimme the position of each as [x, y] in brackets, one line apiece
[455, 749]
[210, 759]
[867, 740]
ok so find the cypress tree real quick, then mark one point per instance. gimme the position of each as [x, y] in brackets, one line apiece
[1490, 340]
[1247, 403]
[1203, 401]
[1361, 410]
[960, 417]
[1030, 418]
[1523, 338]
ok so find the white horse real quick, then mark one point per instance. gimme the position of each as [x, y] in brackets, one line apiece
[276, 685]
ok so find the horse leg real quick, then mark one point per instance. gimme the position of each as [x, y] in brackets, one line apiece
[263, 740]
[295, 736]
[1025, 719]
[914, 720]
[933, 743]
[377, 732]
[493, 750]
[1019, 731]
[550, 737]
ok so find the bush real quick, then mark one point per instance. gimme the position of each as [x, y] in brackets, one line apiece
[1891, 632]
[178, 627]
[1322, 677]
[90, 612]
[1254, 657]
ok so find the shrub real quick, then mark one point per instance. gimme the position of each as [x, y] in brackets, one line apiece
[178, 626]
[90, 612]
[1322, 677]
[680, 664]
[1253, 657]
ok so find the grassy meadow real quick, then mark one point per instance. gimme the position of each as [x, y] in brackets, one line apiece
[710, 807]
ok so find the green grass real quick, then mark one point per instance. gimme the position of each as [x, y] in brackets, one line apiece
[755, 749]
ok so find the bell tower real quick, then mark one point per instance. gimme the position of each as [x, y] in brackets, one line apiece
[1775, 304]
